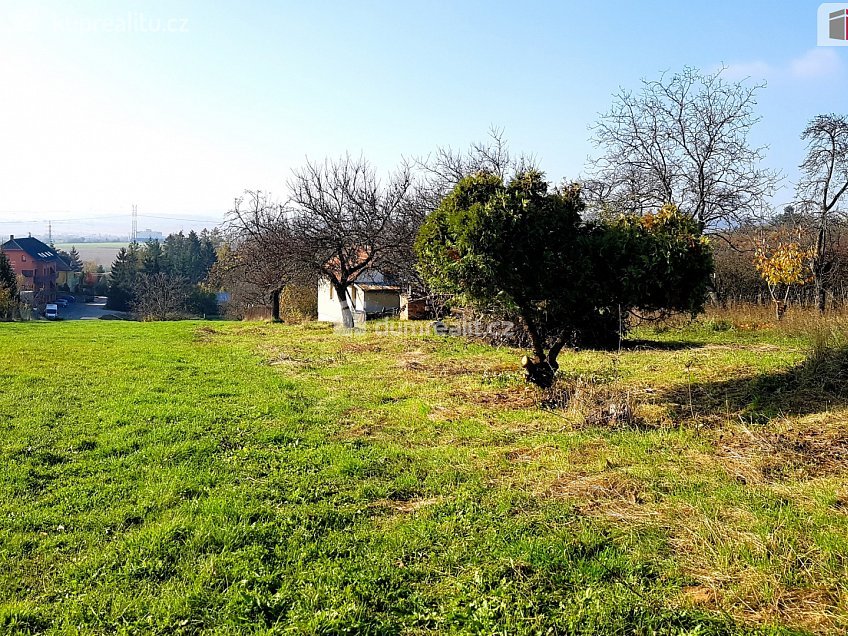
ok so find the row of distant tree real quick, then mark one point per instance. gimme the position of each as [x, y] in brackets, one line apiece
[96, 238]
[788, 243]
[165, 280]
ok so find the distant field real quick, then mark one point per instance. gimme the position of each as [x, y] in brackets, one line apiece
[244, 478]
[101, 253]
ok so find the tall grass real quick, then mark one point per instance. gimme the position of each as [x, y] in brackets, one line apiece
[796, 320]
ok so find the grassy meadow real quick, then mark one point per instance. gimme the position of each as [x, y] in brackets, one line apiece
[213, 477]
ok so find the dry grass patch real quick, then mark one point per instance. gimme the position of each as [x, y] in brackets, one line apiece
[725, 555]
[588, 403]
[276, 356]
[840, 503]
[756, 348]
[359, 346]
[514, 398]
[813, 610]
[356, 424]
[286, 360]
[483, 367]
[355, 430]
[413, 361]
[611, 494]
[528, 455]
[816, 446]
[205, 334]
[750, 317]
[408, 506]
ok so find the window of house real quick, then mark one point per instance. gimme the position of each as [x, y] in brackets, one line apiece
[331, 292]
[26, 273]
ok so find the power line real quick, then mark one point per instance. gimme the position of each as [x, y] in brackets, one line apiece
[114, 217]
[92, 218]
[176, 218]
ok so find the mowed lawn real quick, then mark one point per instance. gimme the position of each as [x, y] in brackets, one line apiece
[210, 477]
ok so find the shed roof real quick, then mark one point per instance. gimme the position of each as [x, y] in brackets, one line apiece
[377, 287]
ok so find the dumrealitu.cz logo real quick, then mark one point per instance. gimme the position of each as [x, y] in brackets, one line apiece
[838, 24]
[833, 24]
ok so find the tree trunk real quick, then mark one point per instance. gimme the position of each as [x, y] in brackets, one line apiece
[275, 304]
[819, 263]
[347, 313]
[541, 369]
[538, 372]
[820, 298]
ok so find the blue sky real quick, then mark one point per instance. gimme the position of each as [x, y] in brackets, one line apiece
[179, 106]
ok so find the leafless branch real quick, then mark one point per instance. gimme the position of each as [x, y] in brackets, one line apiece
[682, 139]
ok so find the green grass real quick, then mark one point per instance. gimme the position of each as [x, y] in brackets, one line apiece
[196, 477]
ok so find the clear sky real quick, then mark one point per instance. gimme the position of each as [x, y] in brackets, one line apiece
[179, 106]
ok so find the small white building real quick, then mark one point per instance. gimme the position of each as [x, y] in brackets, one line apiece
[370, 295]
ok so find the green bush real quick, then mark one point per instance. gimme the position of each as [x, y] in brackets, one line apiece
[522, 248]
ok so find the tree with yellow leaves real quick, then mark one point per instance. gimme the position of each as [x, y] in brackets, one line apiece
[781, 268]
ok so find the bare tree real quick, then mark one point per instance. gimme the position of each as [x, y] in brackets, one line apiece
[345, 221]
[259, 261]
[250, 281]
[682, 139]
[823, 183]
[440, 171]
[160, 296]
[444, 168]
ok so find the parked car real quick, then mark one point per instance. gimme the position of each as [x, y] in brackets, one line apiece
[62, 302]
[51, 311]
[70, 299]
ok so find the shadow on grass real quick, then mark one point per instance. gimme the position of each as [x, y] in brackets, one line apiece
[817, 384]
[657, 345]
